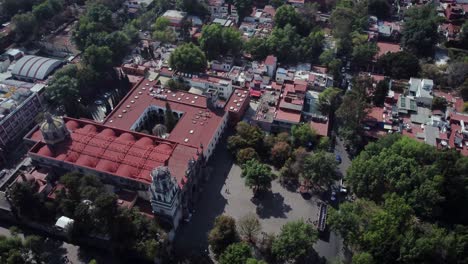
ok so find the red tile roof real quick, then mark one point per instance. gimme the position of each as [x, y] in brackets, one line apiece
[385, 48]
[320, 127]
[117, 152]
[288, 116]
[270, 60]
[237, 100]
[196, 126]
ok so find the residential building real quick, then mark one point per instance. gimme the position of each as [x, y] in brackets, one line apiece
[19, 105]
[421, 89]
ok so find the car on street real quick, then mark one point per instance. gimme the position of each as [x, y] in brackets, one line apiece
[3, 173]
[338, 159]
[333, 196]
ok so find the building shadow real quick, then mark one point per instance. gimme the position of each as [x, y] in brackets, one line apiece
[271, 205]
[191, 237]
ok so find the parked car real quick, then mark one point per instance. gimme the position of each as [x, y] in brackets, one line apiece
[333, 196]
[3, 173]
[338, 159]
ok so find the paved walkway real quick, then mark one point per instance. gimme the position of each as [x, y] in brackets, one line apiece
[226, 193]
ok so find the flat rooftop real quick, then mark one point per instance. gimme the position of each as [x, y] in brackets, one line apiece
[197, 125]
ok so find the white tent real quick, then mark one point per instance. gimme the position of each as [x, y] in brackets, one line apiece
[64, 222]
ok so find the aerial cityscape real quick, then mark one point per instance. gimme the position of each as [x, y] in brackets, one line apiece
[233, 131]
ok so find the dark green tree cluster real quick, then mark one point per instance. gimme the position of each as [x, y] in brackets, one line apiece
[162, 32]
[198, 8]
[188, 58]
[419, 34]
[293, 244]
[352, 111]
[246, 137]
[410, 206]
[303, 135]
[329, 100]
[30, 249]
[96, 212]
[68, 86]
[257, 175]
[295, 37]
[27, 203]
[29, 15]
[218, 41]
[97, 32]
[432, 182]
[400, 65]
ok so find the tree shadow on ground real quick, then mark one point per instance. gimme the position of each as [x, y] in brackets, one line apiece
[191, 237]
[54, 250]
[271, 205]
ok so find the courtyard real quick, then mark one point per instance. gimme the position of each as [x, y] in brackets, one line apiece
[226, 193]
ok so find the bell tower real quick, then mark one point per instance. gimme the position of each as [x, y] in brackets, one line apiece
[165, 195]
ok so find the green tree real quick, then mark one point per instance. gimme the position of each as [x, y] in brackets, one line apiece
[295, 242]
[223, 234]
[254, 261]
[257, 175]
[211, 40]
[286, 14]
[249, 227]
[380, 93]
[64, 91]
[283, 43]
[363, 258]
[246, 154]
[419, 34]
[216, 40]
[280, 152]
[24, 26]
[303, 135]
[321, 169]
[342, 20]
[329, 100]
[237, 253]
[363, 54]
[380, 8]
[277, 3]
[246, 136]
[169, 120]
[312, 45]
[162, 32]
[188, 58]
[257, 47]
[439, 103]
[352, 111]
[118, 42]
[400, 65]
[98, 58]
[464, 33]
[243, 7]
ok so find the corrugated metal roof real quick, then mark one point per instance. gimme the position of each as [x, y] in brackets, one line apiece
[35, 67]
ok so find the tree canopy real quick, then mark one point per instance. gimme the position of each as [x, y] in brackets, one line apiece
[295, 242]
[223, 234]
[303, 135]
[320, 169]
[257, 175]
[188, 58]
[419, 34]
[400, 65]
[216, 40]
[237, 253]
